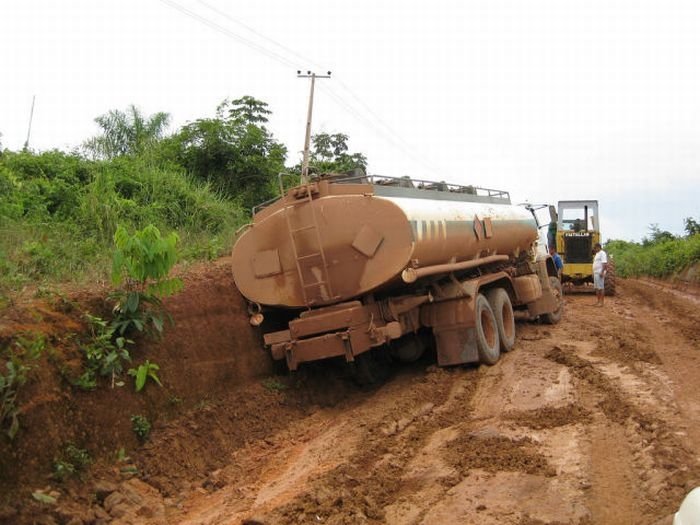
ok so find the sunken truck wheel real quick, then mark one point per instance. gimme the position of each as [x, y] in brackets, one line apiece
[487, 340]
[505, 320]
[555, 316]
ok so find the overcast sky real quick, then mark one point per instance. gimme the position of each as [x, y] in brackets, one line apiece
[550, 100]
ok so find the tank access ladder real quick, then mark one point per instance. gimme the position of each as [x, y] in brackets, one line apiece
[303, 260]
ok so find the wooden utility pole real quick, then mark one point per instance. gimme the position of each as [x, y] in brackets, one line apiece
[29, 130]
[307, 140]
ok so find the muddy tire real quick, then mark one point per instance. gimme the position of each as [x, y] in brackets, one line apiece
[555, 317]
[610, 279]
[372, 367]
[505, 319]
[487, 340]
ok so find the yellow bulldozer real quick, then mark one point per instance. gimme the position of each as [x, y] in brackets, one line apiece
[575, 229]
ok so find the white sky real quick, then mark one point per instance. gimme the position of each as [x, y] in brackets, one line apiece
[550, 100]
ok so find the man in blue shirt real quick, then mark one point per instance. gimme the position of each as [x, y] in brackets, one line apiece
[558, 264]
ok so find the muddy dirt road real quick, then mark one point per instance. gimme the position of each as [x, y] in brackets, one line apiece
[589, 421]
[592, 421]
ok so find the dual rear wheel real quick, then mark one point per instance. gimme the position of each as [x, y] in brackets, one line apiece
[495, 325]
[495, 333]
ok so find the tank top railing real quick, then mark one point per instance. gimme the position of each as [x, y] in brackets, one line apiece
[403, 182]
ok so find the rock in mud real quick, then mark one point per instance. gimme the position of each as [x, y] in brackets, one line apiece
[103, 489]
[135, 501]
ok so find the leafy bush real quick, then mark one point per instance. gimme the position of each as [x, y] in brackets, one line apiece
[59, 213]
[658, 259]
[105, 353]
[141, 427]
[72, 461]
[14, 377]
[142, 262]
[233, 151]
[18, 359]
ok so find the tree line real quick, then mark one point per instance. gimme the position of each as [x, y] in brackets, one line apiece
[660, 254]
[59, 210]
[234, 151]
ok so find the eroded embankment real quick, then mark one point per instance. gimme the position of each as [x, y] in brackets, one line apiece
[207, 353]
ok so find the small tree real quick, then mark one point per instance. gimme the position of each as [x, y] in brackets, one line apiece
[141, 264]
[657, 235]
[234, 151]
[692, 227]
[329, 154]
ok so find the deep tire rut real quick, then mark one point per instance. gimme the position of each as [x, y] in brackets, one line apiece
[589, 421]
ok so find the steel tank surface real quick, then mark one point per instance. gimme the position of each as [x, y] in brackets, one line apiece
[333, 242]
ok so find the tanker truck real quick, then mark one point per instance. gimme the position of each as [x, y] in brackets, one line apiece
[369, 266]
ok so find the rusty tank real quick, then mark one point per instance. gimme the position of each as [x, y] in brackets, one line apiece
[389, 258]
[334, 241]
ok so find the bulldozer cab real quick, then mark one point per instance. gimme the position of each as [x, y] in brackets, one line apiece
[578, 229]
[578, 216]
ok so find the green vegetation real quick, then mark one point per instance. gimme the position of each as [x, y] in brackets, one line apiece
[14, 377]
[234, 151]
[105, 353]
[330, 154]
[59, 211]
[72, 461]
[18, 362]
[127, 133]
[141, 264]
[141, 427]
[274, 385]
[660, 255]
[144, 372]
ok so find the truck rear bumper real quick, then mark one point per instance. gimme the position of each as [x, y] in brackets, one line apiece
[345, 330]
[348, 343]
[328, 345]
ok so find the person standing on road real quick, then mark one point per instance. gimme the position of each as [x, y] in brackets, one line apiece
[558, 264]
[600, 269]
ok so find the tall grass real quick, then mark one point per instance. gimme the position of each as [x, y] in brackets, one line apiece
[59, 212]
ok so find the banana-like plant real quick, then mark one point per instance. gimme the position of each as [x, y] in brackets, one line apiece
[127, 132]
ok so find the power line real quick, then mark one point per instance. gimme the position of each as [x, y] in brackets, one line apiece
[388, 134]
[213, 25]
[381, 133]
[307, 60]
[371, 112]
[303, 59]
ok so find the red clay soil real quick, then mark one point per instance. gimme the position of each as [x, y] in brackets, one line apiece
[210, 350]
[591, 421]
